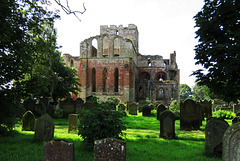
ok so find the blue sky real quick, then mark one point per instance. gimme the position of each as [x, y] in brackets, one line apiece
[164, 26]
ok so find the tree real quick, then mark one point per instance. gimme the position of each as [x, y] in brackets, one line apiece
[185, 92]
[201, 92]
[218, 32]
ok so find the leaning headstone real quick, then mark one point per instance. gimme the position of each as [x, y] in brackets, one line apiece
[190, 115]
[109, 149]
[72, 122]
[58, 150]
[28, 122]
[160, 108]
[68, 107]
[44, 129]
[132, 109]
[167, 125]
[79, 104]
[214, 132]
[231, 143]
[146, 111]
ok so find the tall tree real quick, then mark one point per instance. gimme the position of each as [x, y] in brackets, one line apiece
[185, 92]
[218, 32]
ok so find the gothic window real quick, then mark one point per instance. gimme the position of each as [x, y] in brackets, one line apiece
[160, 94]
[71, 63]
[116, 80]
[94, 47]
[105, 80]
[116, 45]
[105, 46]
[93, 80]
[144, 76]
[161, 76]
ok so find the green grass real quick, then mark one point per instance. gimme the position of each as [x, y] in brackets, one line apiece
[142, 140]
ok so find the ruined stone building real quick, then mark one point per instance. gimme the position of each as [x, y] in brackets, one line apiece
[110, 65]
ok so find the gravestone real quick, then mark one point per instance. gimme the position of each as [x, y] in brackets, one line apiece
[160, 108]
[58, 150]
[44, 129]
[141, 104]
[214, 132]
[50, 109]
[207, 108]
[146, 111]
[109, 149]
[78, 104]
[28, 122]
[190, 115]
[40, 108]
[68, 107]
[236, 108]
[45, 101]
[231, 143]
[29, 105]
[167, 125]
[72, 122]
[132, 109]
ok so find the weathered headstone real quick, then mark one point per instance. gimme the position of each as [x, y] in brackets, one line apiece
[146, 111]
[44, 129]
[72, 122]
[167, 125]
[68, 107]
[160, 109]
[79, 104]
[132, 109]
[58, 150]
[141, 104]
[40, 108]
[190, 115]
[28, 122]
[207, 108]
[214, 132]
[45, 101]
[231, 143]
[109, 149]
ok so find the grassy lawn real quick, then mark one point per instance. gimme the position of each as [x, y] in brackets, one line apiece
[142, 138]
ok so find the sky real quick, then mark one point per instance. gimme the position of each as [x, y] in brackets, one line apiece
[164, 26]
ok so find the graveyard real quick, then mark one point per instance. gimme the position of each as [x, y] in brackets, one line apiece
[142, 137]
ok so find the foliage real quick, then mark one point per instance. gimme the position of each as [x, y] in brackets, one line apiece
[175, 108]
[222, 114]
[201, 92]
[218, 49]
[185, 92]
[101, 121]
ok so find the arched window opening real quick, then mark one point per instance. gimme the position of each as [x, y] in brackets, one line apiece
[116, 80]
[105, 80]
[93, 80]
[144, 76]
[160, 94]
[149, 62]
[72, 63]
[94, 47]
[161, 76]
[116, 45]
[117, 32]
[105, 46]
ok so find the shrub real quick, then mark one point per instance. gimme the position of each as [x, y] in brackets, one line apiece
[101, 121]
[222, 114]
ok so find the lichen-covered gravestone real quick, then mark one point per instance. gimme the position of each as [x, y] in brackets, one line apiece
[167, 125]
[109, 149]
[58, 150]
[214, 132]
[207, 108]
[231, 143]
[160, 108]
[28, 122]
[44, 129]
[190, 115]
[79, 104]
[68, 107]
[146, 111]
[72, 122]
[132, 109]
